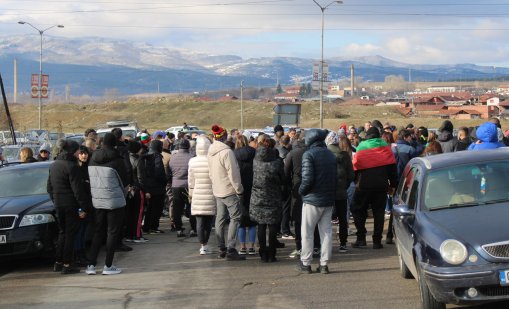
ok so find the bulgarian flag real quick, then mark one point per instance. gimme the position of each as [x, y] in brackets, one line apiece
[373, 153]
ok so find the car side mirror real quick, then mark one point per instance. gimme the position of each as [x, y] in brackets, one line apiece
[403, 210]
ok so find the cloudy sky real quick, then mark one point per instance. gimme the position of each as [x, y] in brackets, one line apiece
[411, 31]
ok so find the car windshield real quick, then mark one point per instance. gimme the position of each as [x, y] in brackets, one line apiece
[20, 182]
[467, 185]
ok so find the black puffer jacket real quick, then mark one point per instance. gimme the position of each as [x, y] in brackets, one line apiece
[318, 186]
[156, 177]
[268, 180]
[245, 157]
[293, 165]
[344, 171]
[66, 184]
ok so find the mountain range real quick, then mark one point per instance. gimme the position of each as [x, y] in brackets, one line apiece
[93, 66]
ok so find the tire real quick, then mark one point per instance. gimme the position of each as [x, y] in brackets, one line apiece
[403, 269]
[427, 299]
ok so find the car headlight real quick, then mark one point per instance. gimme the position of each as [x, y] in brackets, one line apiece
[36, 219]
[453, 251]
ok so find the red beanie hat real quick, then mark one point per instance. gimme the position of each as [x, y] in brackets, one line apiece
[218, 131]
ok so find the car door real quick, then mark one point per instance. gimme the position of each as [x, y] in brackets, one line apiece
[403, 224]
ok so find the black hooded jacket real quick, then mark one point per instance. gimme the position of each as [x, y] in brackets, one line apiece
[156, 178]
[66, 184]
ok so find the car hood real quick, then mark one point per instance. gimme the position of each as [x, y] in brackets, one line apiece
[474, 226]
[24, 204]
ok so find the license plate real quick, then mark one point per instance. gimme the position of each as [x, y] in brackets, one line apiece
[3, 239]
[504, 277]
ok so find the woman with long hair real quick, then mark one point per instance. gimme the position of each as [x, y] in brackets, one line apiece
[245, 155]
[266, 196]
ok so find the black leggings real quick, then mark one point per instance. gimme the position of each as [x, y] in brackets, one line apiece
[262, 235]
[341, 209]
[204, 226]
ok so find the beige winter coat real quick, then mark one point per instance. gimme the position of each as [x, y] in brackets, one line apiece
[224, 170]
[203, 202]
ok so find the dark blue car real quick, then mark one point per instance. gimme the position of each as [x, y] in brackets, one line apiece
[27, 216]
[451, 222]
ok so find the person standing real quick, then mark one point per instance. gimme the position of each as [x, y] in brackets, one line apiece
[203, 203]
[376, 176]
[179, 167]
[155, 184]
[245, 155]
[447, 140]
[267, 196]
[318, 191]
[44, 153]
[344, 176]
[136, 195]
[108, 174]
[227, 189]
[293, 173]
[67, 189]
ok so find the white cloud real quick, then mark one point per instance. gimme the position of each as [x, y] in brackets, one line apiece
[411, 31]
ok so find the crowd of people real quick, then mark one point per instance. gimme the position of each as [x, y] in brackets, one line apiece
[246, 187]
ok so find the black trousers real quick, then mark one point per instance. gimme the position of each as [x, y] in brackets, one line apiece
[262, 236]
[390, 233]
[286, 215]
[362, 200]
[204, 226]
[296, 214]
[68, 225]
[179, 203]
[132, 215]
[154, 211]
[107, 222]
[341, 209]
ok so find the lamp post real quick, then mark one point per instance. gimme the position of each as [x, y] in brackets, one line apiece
[323, 8]
[241, 105]
[41, 32]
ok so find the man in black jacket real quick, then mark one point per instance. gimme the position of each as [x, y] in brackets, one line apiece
[318, 191]
[293, 173]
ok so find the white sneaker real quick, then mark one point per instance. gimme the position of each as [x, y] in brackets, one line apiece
[90, 270]
[112, 270]
[140, 240]
[204, 250]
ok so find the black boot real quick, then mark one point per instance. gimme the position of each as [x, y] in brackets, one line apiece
[272, 255]
[263, 254]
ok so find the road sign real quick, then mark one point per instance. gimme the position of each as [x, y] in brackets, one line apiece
[44, 86]
[35, 86]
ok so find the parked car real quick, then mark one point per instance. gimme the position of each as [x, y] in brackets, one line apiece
[27, 216]
[450, 222]
[6, 137]
[79, 138]
[11, 152]
[189, 130]
[129, 128]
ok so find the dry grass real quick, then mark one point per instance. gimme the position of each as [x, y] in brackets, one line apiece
[163, 112]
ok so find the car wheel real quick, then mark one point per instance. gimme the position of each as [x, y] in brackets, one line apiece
[403, 269]
[427, 299]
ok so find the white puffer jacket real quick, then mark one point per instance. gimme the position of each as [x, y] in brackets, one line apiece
[200, 186]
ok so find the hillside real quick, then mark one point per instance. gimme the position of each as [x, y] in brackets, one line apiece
[163, 112]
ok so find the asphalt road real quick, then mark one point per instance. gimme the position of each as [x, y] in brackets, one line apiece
[168, 272]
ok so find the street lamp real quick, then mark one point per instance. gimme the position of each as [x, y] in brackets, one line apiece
[241, 105]
[323, 8]
[41, 32]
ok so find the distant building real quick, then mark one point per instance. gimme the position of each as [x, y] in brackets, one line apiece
[441, 89]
